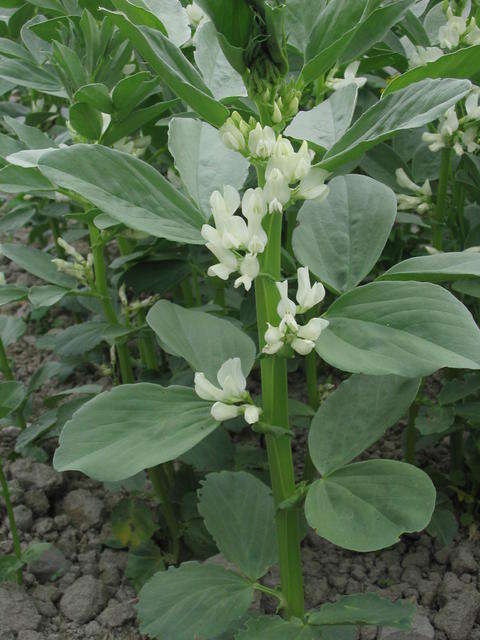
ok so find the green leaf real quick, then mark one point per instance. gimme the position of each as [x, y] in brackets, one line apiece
[326, 123]
[219, 76]
[275, 628]
[443, 526]
[11, 329]
[410, 108]
[464, 63]
[143, 562]
[37, 263]
[405, 328]
[341, 237]
[239, 513]
[86, 120]
[31, 137]
[15, 179]
[172, 16]
[173, 68]
[9, 565]
[468, 287]
[12, 395]
[203, 161]
[47, 295]
[440, 267]
[458, 389]
[131, 428]
[433, 419]
[365, 406]
[366, 506]
[96, 95]
[70, 65]
[132, 522]
[10, 293]
[203, 340]
[31, 76]
[133, 90]
[78, 339]
[134, 121]
[469, 411]
[365, 609]
[214, 453]
[191, 601]
[126, 188]
[300, 17]
[234, 22]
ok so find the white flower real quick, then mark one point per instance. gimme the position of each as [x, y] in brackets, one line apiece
[313, 329]
[313, 186]
[471, 104]
[261, 141]
[349, 77]
[406, 202]
[469, 139]
[284, 158]
[221, 411]
[274, 339]
[308, 296]
[303, 347]
[231, 230]
[227, 264]
[472, 35]
[195, 14]
[420, 56]
[249, 269]
[276, 190]
[224, 206]
[448, 126]
[232, 137]
[285, 306]
[251, 413]
[254, 208]
[205, 389]
[231, 380]
[405, 182]
[450, 34]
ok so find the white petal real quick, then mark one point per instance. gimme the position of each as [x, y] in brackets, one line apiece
[231, 378]
[251, 413]
[221, 411]
[205, 389]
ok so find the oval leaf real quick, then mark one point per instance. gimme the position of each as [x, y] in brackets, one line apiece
[341, 238]
[239, 513]
[203, 340]
[366, 506]
[355, 416]
[192, 601]
[405, 328]
[126, 188]
[440, 267]
[131, 428]
[203, 161]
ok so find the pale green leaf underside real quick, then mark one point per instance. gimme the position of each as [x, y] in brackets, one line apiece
[132, 427]
[367, 506]
[404, 328]
[192, 601]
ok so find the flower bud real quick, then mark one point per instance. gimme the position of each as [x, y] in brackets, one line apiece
[261, 141]
[251, 413]
[303, 347]
[221, 411]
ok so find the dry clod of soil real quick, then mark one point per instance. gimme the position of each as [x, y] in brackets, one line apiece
[84, 599]
[36, 475]
[50, 565]
[17, 608]
[84, 509]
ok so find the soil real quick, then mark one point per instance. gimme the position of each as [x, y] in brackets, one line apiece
[79, 591]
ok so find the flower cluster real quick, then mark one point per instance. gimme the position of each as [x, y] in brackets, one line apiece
[458, 31]
[231, 398]
[80, 268]
[234, 241]
[196, 15]
[302, 339]
[422, 200]
[462, 134]
[349, 77]
[419, 56]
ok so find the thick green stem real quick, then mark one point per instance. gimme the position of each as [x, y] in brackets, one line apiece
[439, 216]
[275, 412]
[147, 346]
[309, 472]
[159, 476]
[101, 285]
[11, 519]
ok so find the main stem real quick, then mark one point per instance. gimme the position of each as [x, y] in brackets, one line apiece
[101, 285]
[275, 412]
[439, 219]
[11, 519]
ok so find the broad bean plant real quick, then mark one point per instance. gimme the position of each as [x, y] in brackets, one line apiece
[265, 166]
